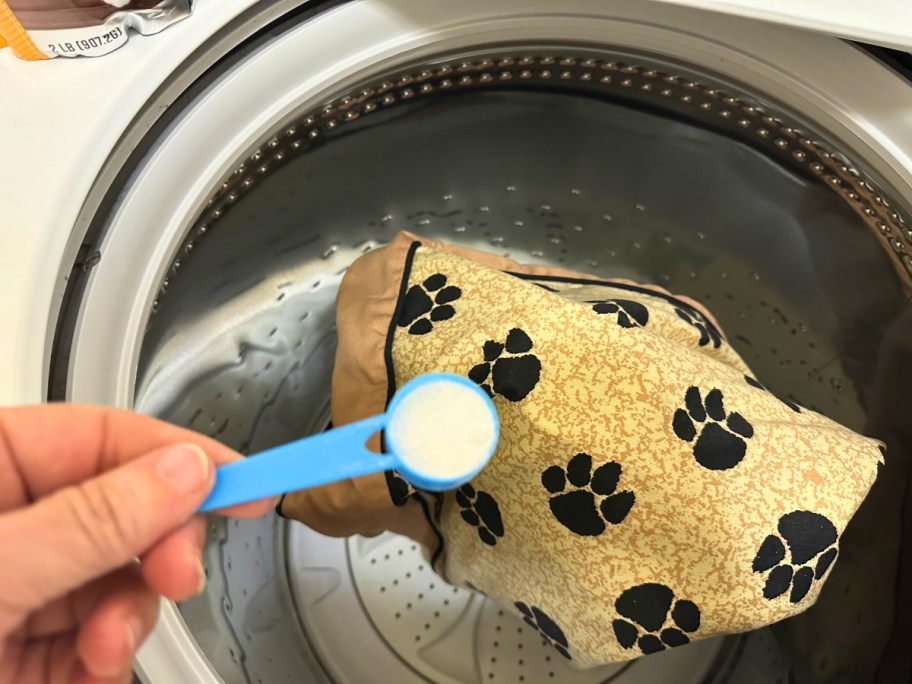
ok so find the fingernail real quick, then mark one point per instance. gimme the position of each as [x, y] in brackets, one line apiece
[185, 467]
[201, 587]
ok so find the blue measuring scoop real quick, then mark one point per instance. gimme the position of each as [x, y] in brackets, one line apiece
[427, 419]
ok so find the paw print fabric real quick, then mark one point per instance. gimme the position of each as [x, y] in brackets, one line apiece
[584, 500]
[647, 491]
[718, 437]
[420, 312]
[509, 369]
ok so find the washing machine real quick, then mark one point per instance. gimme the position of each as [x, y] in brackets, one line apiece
[176, 218]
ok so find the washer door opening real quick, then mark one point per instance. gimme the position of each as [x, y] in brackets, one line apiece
[240, 345]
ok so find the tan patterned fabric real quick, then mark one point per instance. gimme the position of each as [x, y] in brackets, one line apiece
[646, 491]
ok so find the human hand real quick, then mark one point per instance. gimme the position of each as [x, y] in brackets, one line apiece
[84, 492]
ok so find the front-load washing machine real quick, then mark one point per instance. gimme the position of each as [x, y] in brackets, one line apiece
[177, 217]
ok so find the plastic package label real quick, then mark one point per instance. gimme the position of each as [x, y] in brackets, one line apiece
[44, 29]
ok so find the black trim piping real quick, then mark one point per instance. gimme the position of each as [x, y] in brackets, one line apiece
[619, 286]
[391, 390]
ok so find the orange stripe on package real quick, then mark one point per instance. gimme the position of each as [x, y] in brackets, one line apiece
[44, 29]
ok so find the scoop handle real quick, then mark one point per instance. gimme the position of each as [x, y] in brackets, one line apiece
[336, 454]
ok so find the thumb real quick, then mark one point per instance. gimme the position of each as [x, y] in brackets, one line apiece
[82, 532]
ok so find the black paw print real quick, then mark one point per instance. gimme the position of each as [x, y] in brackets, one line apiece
[400, 490]
[708, 332]
[646, 608]
[718, 446]
[546, 627]
[809, 536]
[512, 377]
[419, 312]
[480, 510]
[576, 510]
[629, 314]
[753, 382]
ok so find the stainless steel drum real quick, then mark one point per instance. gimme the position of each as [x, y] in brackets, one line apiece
[611, 163]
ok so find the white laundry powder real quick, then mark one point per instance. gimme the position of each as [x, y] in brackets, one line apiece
[442, 429]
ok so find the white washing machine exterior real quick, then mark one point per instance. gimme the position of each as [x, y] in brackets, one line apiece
[63, 120]
[69, 128]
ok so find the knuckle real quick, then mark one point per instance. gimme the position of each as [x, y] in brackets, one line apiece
[101, 516]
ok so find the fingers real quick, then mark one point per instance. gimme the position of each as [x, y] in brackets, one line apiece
[83, 532]
[85, 678]
[95, 620]
[54, 660]
[251, 509]
[50, 660]
[53, 446]
[81, 676]
[173, 566]
[70, 612]
[12, 657]
[109, 638]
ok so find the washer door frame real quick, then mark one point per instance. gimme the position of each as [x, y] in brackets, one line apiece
[862, 104]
